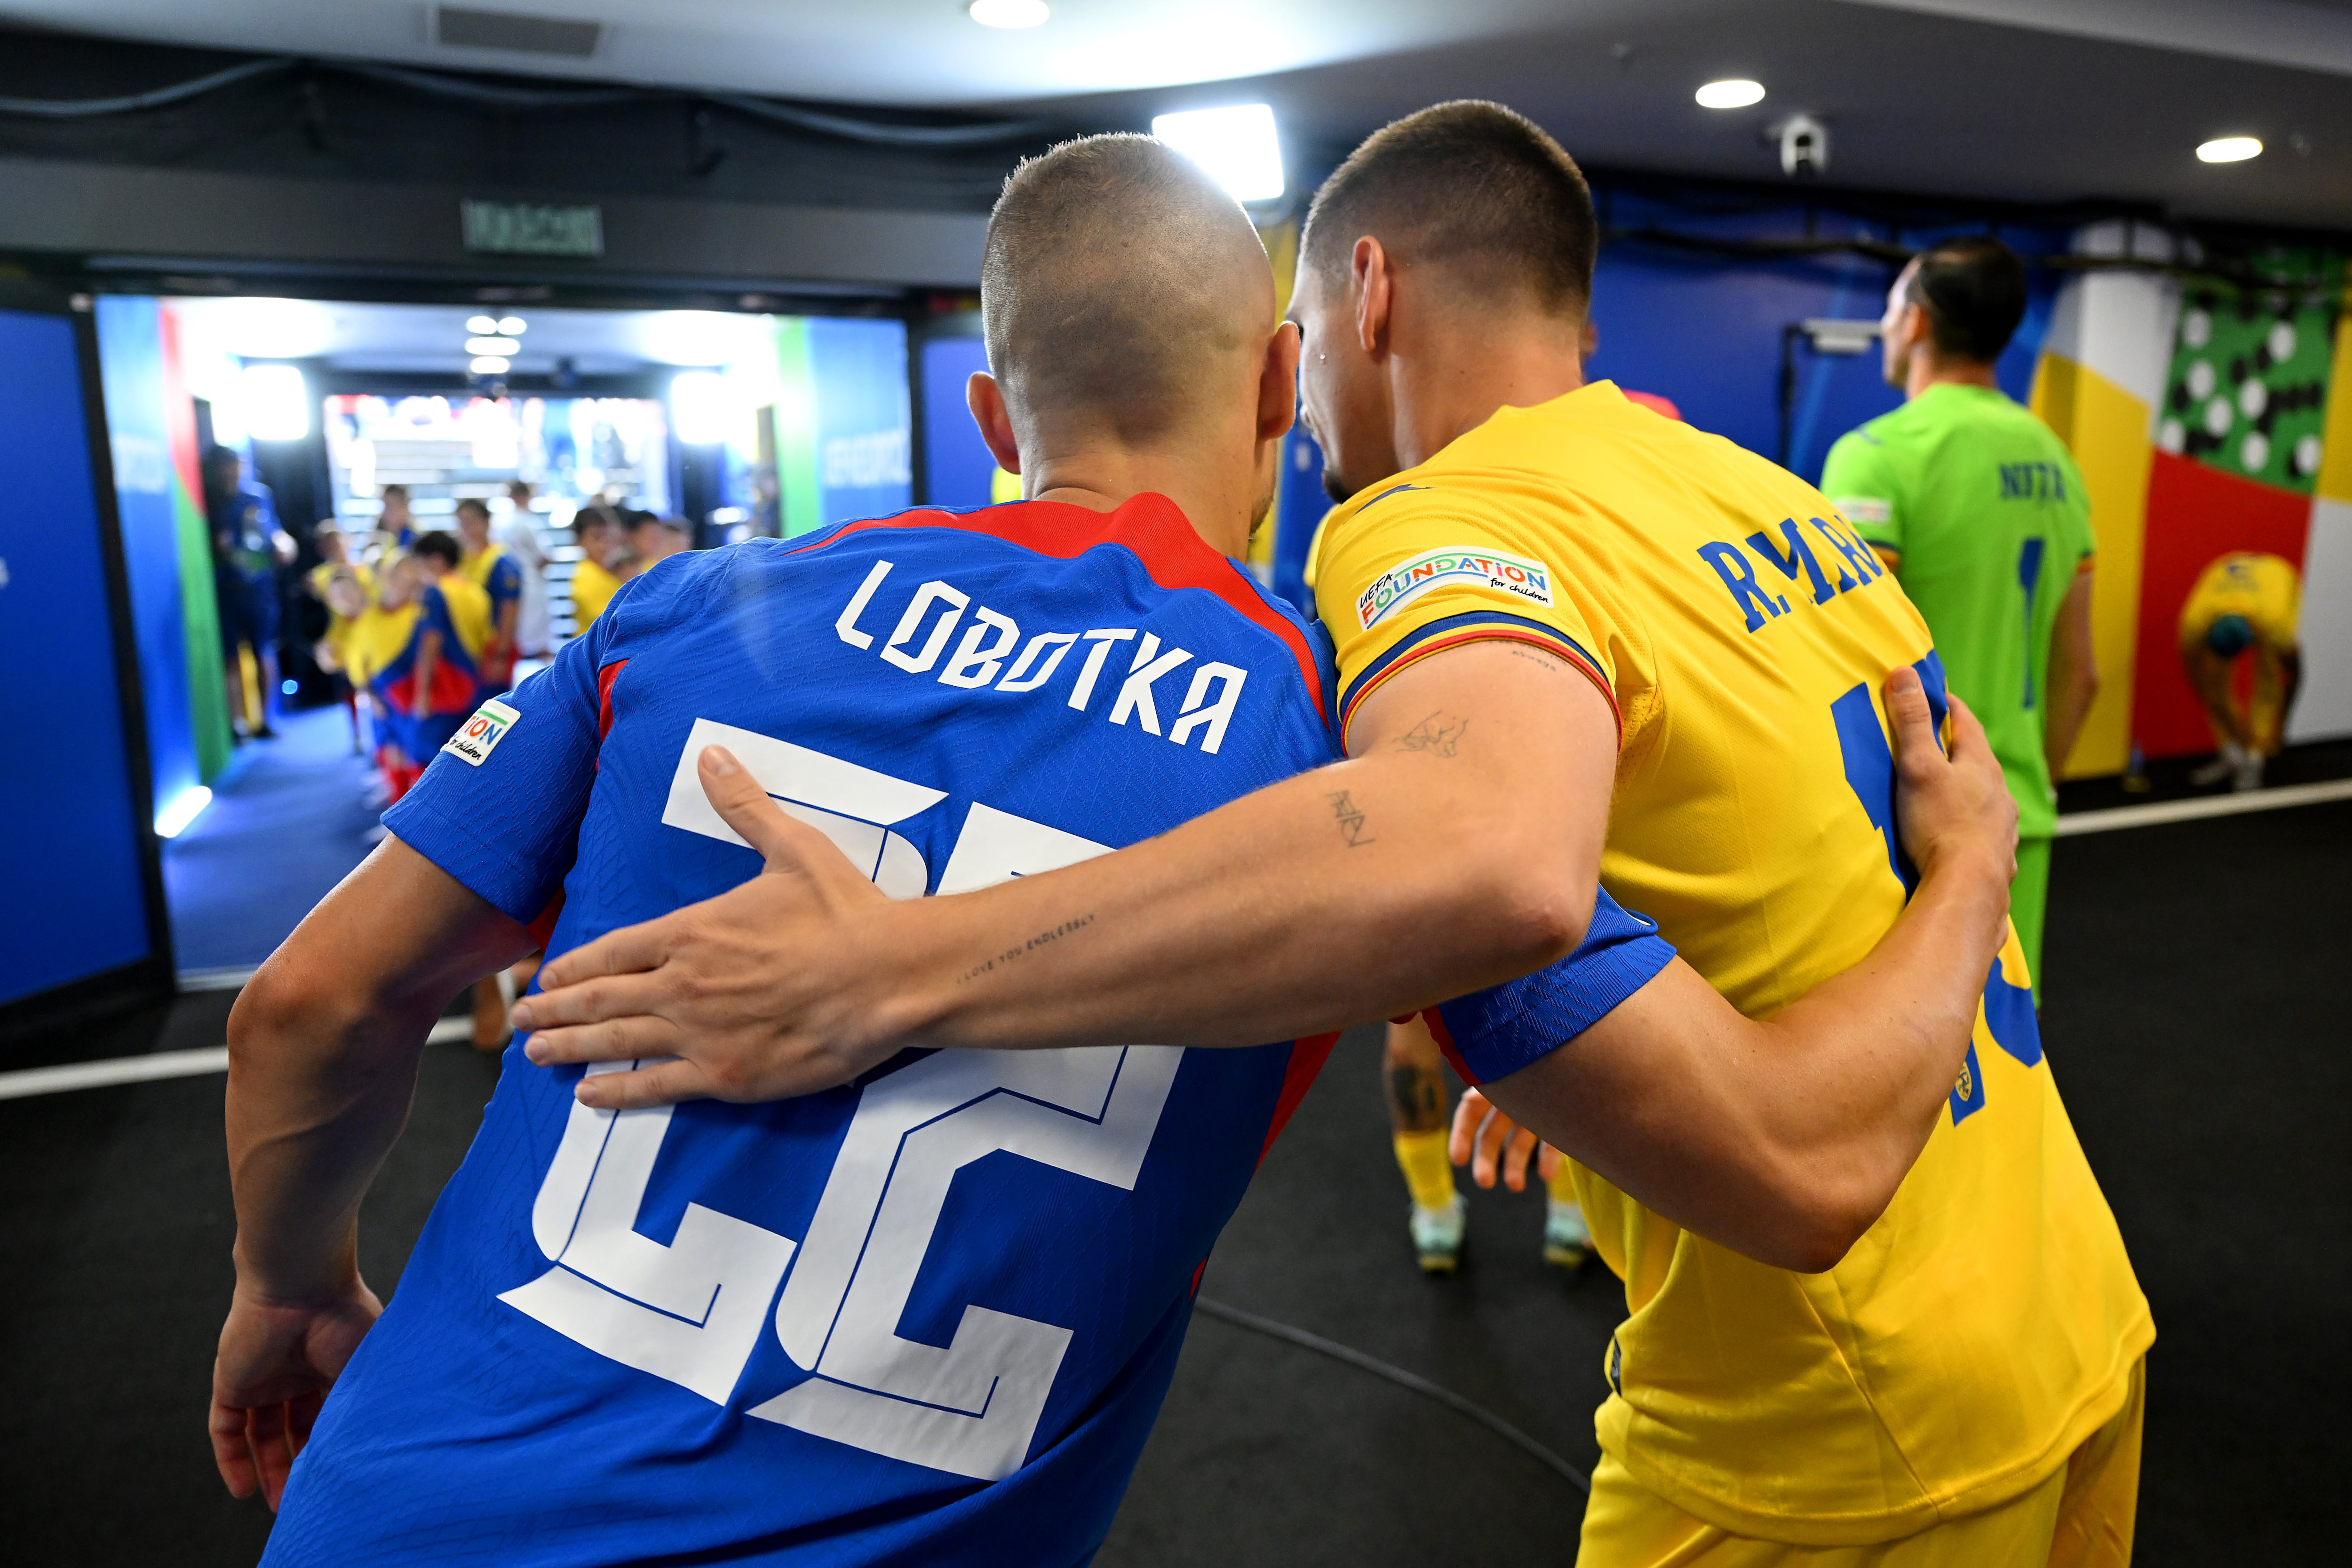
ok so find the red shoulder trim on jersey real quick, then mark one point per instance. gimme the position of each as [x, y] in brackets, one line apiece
[1445, 1039]
[604, 679]
[1307, 1059]
[543, 927]
[1148, 525]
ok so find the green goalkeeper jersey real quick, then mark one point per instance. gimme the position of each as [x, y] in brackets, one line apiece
[1988, 511]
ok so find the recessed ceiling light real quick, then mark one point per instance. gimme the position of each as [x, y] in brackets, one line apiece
[1737, 93]
[492, 345]
[1010, 13]
[1237, 145]
[481, 325]
[2229, 149]
[489, 365]
[512, 325]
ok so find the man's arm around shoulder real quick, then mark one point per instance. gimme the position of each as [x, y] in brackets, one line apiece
[1458, 846]
[1785, 1138]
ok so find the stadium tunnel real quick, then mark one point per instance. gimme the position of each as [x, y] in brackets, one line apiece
[724, 283]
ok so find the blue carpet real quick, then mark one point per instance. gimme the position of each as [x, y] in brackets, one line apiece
[289, 819]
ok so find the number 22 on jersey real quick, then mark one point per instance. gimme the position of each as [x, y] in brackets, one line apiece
[691, 1311]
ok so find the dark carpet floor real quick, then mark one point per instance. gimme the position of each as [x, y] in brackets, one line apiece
[289, 819]
[2191, 1019]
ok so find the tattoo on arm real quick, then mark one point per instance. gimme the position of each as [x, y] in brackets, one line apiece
[1351, 820]
[1548, 661]
[1031, 946]
[1439, 735]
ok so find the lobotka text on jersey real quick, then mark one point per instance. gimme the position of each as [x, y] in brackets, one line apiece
[986, 659]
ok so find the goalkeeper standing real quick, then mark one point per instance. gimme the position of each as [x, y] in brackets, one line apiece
[1977, 507]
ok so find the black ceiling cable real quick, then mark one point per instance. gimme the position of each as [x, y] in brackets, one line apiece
[512, 97]
[93, 108]
[1403, 1379]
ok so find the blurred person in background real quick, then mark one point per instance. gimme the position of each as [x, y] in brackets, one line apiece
[2244, 602]
[428, 686]
[344, 587]
[248, 549]
[529, 552]
[489, 566]
[654, 539]
[396, 523]
[604, 547]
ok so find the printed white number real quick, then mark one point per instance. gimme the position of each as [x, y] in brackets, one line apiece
[690, 1311]
[852, 806]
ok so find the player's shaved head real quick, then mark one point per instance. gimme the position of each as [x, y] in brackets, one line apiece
[1120, 282]
[1478, 193]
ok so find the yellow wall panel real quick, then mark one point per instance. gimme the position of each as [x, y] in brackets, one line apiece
[2107, 429]
[2336, 436]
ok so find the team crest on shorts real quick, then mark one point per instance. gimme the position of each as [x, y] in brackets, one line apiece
[1400, 584]
[478, 735]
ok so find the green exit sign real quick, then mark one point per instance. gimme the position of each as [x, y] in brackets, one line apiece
[533, 228]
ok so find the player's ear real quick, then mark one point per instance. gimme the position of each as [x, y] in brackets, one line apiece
[1373, 294]
[986, 401]
[1277, 384]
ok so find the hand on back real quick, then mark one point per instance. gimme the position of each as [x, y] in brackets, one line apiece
[720, 986]
[1951, 810]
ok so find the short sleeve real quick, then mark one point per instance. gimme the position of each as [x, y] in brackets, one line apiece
[499, 808]
[1859, 480]
[1420, 569]
[1493, 1033]
[506, 581]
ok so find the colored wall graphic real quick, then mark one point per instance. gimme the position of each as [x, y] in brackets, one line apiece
[2208, 416]
[167, 548]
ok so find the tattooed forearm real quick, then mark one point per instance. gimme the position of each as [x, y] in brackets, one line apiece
[1031, 946]
[1351, 820]
[1439, 735]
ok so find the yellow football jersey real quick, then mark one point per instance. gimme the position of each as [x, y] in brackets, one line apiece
[1988, 1321]
[377, 636]
[476, 566]
[592, 588]
[469, 610]
[2264, 588]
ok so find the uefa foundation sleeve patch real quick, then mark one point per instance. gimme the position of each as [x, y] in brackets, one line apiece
[1400, 584]
[480, 733]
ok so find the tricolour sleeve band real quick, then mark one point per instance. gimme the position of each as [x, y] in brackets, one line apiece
[1472, 626]
[1495, 1033]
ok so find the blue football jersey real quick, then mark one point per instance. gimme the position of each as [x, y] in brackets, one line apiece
[925, 1318]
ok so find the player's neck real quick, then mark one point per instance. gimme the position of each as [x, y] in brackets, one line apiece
[1465, 373]
[1105, 479]
[1928, 370]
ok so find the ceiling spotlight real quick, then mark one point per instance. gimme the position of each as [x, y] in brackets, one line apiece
[1237, 146]
[2229, 149]
[492, 345]
[482, 325]
[1010, 13]
[489, 365]
[1737, 93]
[512, 326]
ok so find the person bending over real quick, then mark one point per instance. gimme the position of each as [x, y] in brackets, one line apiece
[925, 1316]
[1580, 645]
[2244, 602]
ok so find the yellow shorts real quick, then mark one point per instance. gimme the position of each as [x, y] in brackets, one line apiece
[2080, 1518]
